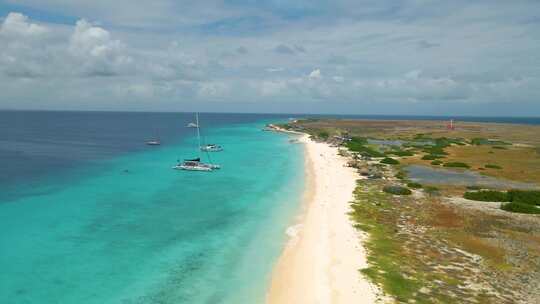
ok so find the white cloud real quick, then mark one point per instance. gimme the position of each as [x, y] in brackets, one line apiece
[315, 74]
[247, 53]
[16, 25]
[99, 54]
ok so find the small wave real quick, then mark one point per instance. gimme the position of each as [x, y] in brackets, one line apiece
[292, 231]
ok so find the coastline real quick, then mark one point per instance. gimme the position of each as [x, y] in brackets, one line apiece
[321, 261]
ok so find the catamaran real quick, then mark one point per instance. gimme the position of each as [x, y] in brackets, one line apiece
[196, 164]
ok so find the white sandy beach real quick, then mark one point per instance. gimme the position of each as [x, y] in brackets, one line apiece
[321, 261]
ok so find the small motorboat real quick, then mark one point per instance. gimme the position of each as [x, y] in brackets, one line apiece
[212, 148]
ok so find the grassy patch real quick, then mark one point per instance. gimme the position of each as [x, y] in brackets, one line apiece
[358, 144]
[479, 141]
[520, 208]
[432, 190]
[401, 153]
[401, 175]
[389, 161]
[414, 185]
[530, 197]
[323, 135]
[436, 162]
[432, 156]
[397, 190]
[487, 196]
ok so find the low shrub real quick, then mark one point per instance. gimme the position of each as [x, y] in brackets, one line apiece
[520, 208]
[487, 196]
[431, 190]
[484, 141]
[436, 162]
[414, 185]
[401, 153]
[492, 166]
[323, 134]
[397, 190]
[400, 175]
[437, 150]
[389, 161]
[358, 146]
[530, 197]
[474, 187]
[456, 165]
[499, 147]
[432, 156]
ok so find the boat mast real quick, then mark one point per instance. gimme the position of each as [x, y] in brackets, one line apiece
[198, 132]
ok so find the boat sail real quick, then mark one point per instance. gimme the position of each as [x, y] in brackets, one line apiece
[196, 164]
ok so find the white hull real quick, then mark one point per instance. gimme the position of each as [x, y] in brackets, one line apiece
[192, 168]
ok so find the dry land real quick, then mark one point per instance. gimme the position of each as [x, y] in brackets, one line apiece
[429, 244]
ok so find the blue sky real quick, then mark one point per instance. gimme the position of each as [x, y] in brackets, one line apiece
[354, 57]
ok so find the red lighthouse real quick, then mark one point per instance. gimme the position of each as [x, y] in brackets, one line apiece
[450, 125]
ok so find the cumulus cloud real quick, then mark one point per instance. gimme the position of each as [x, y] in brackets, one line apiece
[315, 74]
[17, 25]
[351, 51]
[99, 53]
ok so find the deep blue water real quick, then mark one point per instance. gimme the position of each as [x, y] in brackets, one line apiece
[77, 228]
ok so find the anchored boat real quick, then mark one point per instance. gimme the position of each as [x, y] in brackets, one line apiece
[196, 164]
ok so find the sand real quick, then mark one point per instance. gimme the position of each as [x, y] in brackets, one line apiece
[321, 261]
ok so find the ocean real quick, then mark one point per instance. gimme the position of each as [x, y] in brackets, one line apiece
[78, 228]
[90, 214]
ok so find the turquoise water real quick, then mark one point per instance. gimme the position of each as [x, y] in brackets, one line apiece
[153, 234]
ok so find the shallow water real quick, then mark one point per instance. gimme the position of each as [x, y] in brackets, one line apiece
[440, 176]
[92, 233]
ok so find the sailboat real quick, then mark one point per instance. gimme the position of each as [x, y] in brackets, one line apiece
[195, 164]
[154, 142]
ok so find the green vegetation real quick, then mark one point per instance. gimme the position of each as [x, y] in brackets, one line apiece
[456, 165]
[400, 153]
[431, 190]
[474, 187]
[401, 175]
[397, 190]
[358, 144]
[323, 135]
[530, 197]
[487, 196]
[478, 141]
[436, 150]
[389, 161]
[521, 201]
[520, 208]
[414, 185]
[499, 147]
[432, 156]
[492, 166]
[436, 162]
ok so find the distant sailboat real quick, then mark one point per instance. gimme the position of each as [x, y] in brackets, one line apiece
[155, 141]
[196, 164]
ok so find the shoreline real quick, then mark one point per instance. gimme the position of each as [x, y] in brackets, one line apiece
[320, 262]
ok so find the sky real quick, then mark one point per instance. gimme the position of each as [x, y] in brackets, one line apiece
[397, 57]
